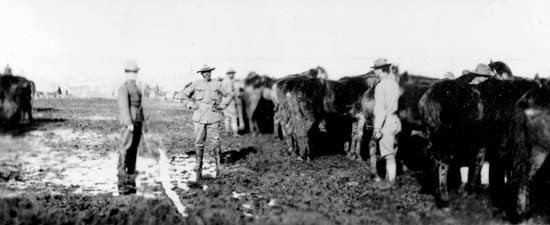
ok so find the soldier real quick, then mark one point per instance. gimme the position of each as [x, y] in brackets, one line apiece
[131, 116]
[230, 113]
[386, 122]
[208, 97]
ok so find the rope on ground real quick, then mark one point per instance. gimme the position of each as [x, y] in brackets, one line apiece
[164, 169]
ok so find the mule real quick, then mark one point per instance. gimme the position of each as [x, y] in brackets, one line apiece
[528, 146]
[16, 99]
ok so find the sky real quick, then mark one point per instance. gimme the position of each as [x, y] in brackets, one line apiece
[86, 43]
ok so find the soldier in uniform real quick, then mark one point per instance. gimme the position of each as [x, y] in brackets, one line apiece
[130, 113]
[230, 113]
[208, 97]
[386, 123]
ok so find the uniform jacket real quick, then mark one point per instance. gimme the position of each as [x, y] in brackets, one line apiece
[130, 110]
[386, 97]
[206, 98]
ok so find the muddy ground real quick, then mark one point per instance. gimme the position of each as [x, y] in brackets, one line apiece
[61, 170]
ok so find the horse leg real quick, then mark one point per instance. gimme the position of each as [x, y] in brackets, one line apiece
[349, 144]
[474, 176]
[373, 149]
[496, 182]
[254, 99]
[441, 193]
[240, 115]
[361, 121]
[523, 201]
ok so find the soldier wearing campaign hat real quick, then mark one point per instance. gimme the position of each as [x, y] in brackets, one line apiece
[230, 113]
[130, 113]
[207, 97]
[386, 123]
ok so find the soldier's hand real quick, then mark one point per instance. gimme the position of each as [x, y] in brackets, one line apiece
[130, 127]
[221, 107]
[192, 105]
[377, 134]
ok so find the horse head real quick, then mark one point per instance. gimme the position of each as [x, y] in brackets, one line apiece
[501, 69]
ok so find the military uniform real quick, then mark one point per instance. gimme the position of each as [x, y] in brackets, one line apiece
[386, 122]
[130, 114]
[206, 98]
[230, 113]
[386, 97]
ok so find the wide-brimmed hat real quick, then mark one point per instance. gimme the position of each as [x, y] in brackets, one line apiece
[131, 65]
[381, 62]
[482, 69]
[205, 68]
[230, 71]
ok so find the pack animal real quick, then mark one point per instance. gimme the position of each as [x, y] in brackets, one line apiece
[16, 99]
[300, 108]
[257, 87]
[452, 113]
[528, 147]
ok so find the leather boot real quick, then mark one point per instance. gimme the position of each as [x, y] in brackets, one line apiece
[217, 157]
[198, 168]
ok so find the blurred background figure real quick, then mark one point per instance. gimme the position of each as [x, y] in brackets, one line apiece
[230, 113]
[130, 112]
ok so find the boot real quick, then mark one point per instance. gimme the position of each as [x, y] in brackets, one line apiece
[121, 185]
[217, 157]
[198, 168]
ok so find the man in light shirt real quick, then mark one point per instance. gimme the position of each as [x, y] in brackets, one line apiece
[386, 123]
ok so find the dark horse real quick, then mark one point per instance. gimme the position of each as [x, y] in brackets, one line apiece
[15, 99]
[528, 146]
[466, 124]
[300, 108]
[451, 113]
[257, 88]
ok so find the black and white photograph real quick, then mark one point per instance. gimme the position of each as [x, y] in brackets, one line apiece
[287, 112]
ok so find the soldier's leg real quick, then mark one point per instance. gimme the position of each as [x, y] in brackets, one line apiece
[390, 167]
[388, 150]
[126, 138]
[213, 136]
[200, 137]
[226, 121]
[132, 151]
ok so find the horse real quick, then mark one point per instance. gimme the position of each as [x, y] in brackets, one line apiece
[256, 88]
[528, 145]
[16, 94]
[300, 109]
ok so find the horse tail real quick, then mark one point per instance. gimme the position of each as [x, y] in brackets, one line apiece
[430, 111]
[519, 149]
[33, 88]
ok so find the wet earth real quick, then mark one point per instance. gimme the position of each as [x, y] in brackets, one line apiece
[62, 170]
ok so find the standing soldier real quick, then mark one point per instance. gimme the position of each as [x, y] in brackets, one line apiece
[230, 113]
[131, 116]
[208, 97]
[386, 122]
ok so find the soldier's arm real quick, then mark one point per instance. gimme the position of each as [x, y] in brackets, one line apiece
[186, 94]
[379, 109]
[124, 107]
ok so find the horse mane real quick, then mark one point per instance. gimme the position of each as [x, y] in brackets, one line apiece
[314, 72]
[409, 79]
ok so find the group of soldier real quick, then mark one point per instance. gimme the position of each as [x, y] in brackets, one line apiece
[211, 100]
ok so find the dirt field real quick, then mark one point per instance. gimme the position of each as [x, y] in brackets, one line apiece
[62, 170]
